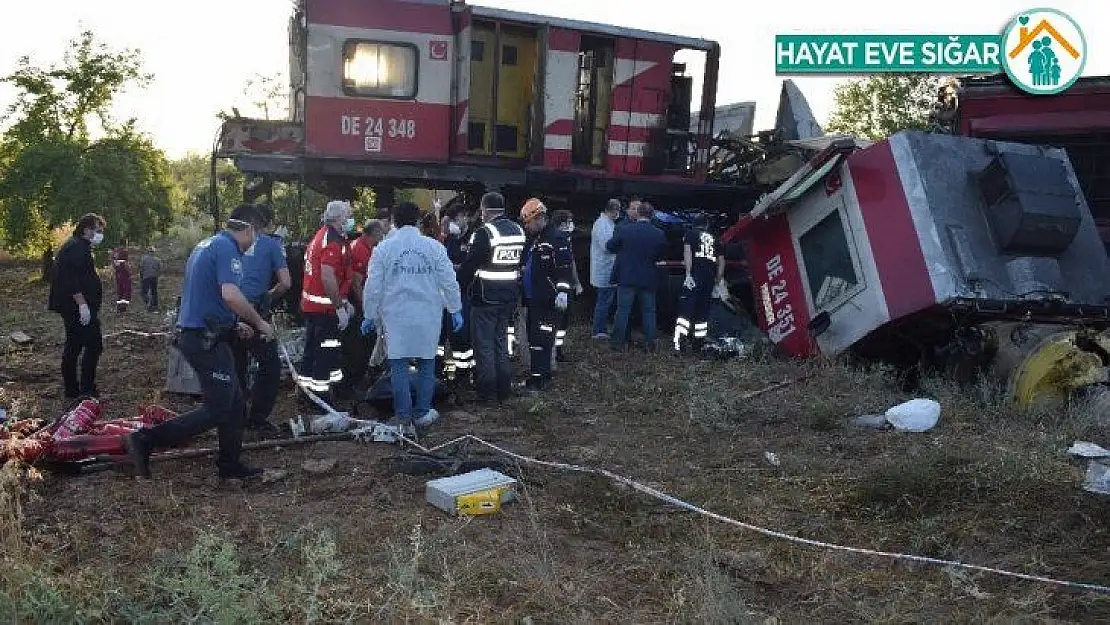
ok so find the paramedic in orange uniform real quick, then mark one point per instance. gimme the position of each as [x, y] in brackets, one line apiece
[324, 304]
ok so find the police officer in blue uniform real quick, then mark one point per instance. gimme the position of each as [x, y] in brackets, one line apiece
[704, 260]
[263, 264]
[213, 313]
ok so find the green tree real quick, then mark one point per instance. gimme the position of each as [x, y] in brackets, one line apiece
[878, 106]
[52, 169]
[190, 175]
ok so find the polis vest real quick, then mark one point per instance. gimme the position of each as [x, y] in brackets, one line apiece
[495, 282]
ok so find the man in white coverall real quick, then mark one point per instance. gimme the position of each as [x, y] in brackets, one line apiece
[411, 282]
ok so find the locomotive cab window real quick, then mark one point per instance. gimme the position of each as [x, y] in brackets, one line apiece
[382, 70]
[829, 263]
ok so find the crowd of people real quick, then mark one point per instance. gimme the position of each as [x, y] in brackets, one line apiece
[403, 294]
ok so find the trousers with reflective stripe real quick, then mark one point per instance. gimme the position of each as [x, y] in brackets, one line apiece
[562, 322]
[455, 347]
[322, 366]
[541, 341]
[693, 312]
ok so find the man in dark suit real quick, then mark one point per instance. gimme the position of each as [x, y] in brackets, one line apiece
[639, 245]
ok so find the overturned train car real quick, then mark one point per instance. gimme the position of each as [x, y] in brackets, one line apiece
[960, 253]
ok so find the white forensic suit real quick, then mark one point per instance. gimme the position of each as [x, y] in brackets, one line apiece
[411, 282]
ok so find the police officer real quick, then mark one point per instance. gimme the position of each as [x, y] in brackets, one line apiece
[546, 289]
[703, 257]
[489, 275]
[263, 265]
[213, 312]
[324, 304]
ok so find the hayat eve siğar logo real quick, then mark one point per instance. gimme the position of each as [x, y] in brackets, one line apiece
[1044, 51]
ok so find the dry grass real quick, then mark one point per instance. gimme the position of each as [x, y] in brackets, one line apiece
[358, 544]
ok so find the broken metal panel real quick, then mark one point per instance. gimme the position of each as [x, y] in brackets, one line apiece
[804, 179]
[795, 120]
[825, 142]
[737, 118]
[241, 136]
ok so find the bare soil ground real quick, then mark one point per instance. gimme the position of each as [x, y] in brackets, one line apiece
[358, 542]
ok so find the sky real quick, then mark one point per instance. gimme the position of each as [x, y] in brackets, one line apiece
[203, 52]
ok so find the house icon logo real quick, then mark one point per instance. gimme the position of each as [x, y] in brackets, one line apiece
[1044, 51]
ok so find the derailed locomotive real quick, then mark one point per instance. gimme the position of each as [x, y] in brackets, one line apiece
[961, 253]
[446, 95]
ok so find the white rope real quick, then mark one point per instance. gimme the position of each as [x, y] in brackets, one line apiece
[678, 503]
[136, 333]
[674, 501]
[316, 399]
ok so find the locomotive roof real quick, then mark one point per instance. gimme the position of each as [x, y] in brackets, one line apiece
[590, 27]
[993, 85]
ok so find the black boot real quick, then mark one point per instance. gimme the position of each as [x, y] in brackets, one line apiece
[231, 447]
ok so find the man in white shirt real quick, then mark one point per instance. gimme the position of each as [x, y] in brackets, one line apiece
[601, 267]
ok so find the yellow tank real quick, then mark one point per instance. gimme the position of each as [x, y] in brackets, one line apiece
[1043, 365]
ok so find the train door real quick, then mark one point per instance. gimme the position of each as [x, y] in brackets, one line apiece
[482, 41]
[515, 89]
[592, 98]
[502, 84]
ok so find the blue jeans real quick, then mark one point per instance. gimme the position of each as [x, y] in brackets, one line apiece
[626, 297]
[606, 297]
[402, 383]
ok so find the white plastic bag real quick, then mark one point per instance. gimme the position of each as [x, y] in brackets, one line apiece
[916, 415]
[1083, 449]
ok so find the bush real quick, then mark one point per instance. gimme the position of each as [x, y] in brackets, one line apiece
[182, 237]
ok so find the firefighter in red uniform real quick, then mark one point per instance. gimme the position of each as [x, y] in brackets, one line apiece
[326, 310]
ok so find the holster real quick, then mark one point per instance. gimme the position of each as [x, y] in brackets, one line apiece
[264, 306]
[217, 332]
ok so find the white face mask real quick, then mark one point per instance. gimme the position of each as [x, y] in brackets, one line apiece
[454, 229]
[98, 238]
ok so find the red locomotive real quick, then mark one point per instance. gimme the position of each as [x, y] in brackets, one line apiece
[442, 94]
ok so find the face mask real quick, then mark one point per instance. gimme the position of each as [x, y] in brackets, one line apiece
[98, 238]
[454, 229]
[350, 225]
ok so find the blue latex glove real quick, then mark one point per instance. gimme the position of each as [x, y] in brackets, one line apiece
[367, 326]
[456, 321]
